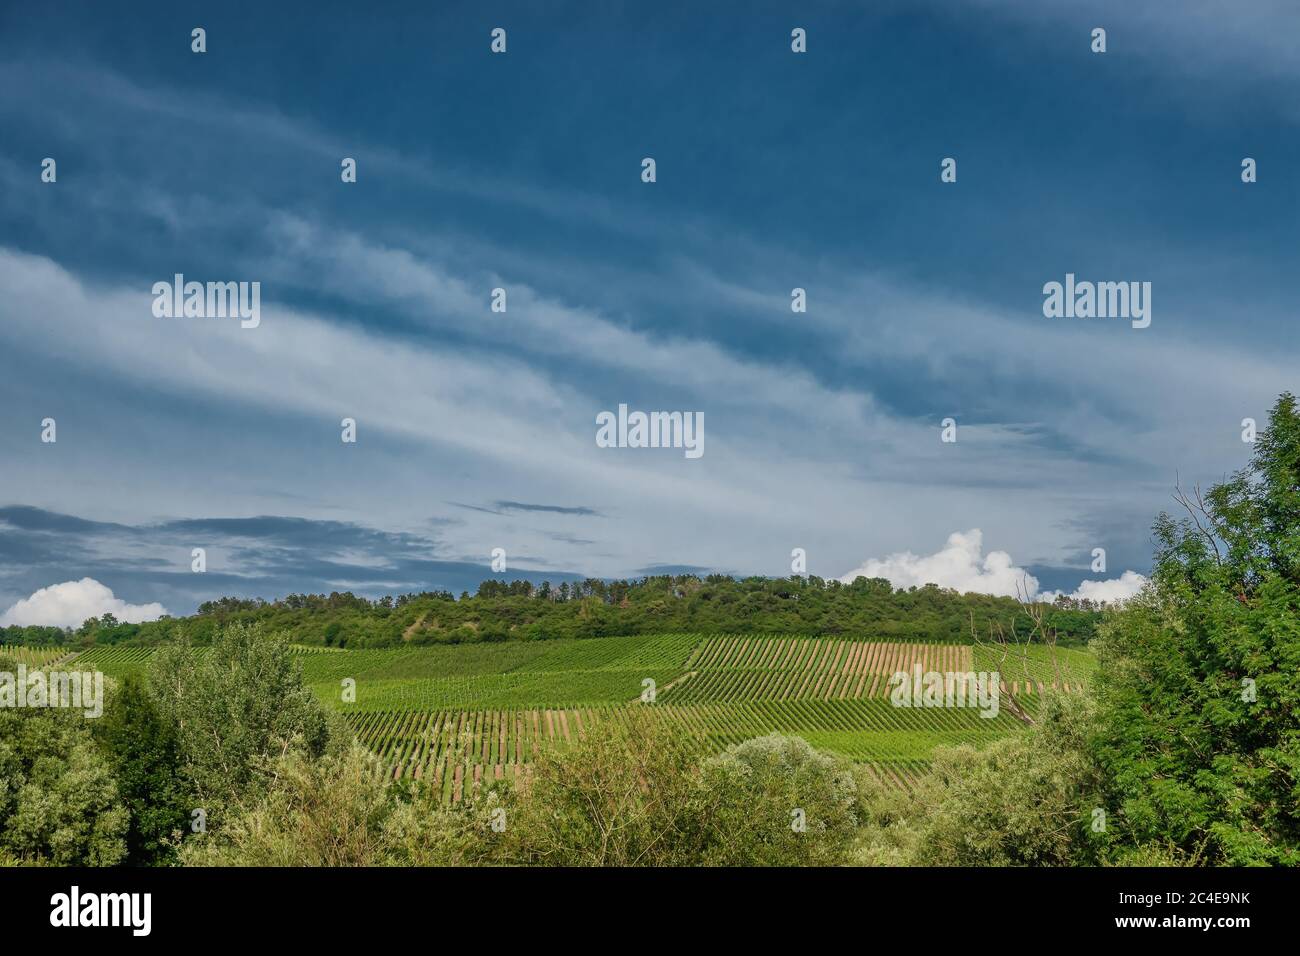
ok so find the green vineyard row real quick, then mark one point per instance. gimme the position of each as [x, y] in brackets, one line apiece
[454, 749]
[32, 656]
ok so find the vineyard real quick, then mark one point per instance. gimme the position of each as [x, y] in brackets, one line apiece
[1030, 669]
[780, 668]
[457, 715]
[455, 747]
[740, 668]
[566, 673]
[115, 661]
[31, 656]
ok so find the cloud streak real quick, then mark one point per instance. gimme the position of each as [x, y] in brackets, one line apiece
[823, 425]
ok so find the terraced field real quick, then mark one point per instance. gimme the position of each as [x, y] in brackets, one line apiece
[456, 715]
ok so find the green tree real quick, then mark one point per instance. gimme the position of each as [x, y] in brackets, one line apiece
[775, 801]
[59, 801]
[145, 753]
[1197, 681]
[236, 707]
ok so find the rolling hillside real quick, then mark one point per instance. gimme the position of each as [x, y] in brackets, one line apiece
[457, 715]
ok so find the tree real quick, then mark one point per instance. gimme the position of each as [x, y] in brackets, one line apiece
[775, 801]
[59, 802]
[236, 707]
[145, 753]
[1200, 702]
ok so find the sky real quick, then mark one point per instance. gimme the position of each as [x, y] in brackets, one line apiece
[523, 171]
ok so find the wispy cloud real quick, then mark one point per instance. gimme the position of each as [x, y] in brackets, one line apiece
[823, 426]
[553, 509]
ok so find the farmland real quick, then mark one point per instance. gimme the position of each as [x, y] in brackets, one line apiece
[454, 716]
[32, 656]
[115, 661]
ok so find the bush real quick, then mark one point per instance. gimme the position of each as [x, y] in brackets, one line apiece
[775, 801]
[59, 801]
[625, 795]
[1021, 801]
[325, 812]
[236, 709]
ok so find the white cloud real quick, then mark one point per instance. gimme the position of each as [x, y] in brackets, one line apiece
[1116, 589]
[958, 565]
[962, 566]
[69, 604]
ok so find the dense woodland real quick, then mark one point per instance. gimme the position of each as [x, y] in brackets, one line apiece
[518, 610]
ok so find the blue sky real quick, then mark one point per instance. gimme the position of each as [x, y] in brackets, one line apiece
[522, 171]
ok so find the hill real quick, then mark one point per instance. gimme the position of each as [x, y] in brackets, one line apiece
[455, 714]
[519, 610]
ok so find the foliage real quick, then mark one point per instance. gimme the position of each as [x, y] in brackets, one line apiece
[1020, 801]
[627, 795]
[520, 610]
[59, 801]
[630, 794]
[144, 750]
[1200, 705]
[326, 812]
[235, 708]
[775, 801]
[640, 792]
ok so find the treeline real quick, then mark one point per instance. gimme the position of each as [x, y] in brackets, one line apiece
[520, 610]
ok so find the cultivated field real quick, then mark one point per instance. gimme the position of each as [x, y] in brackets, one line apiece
[457, 715]
[32, 656]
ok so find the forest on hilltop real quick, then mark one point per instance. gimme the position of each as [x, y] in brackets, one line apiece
[520, 610]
